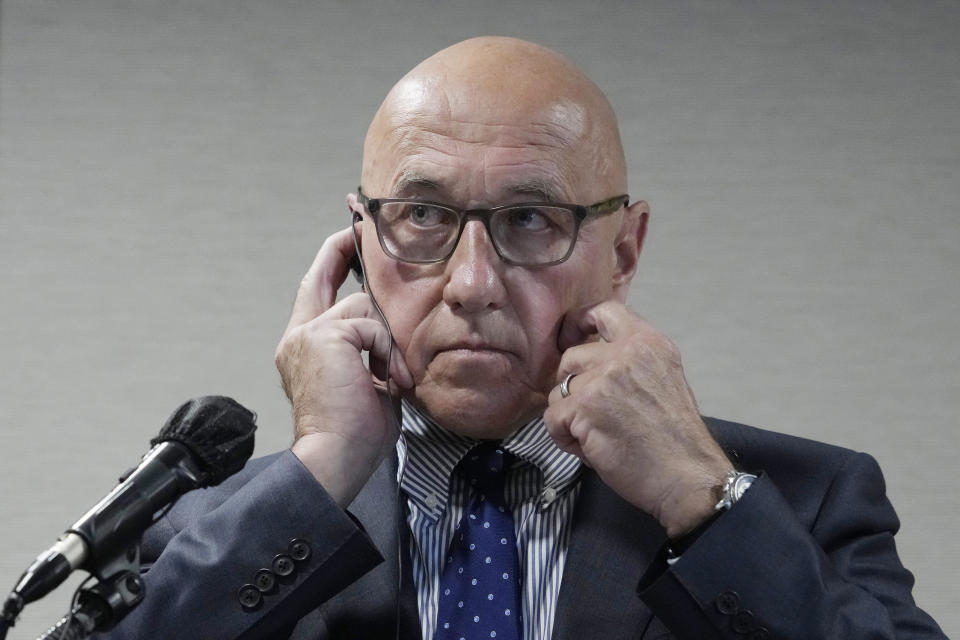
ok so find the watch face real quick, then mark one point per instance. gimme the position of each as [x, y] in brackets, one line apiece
[740, 486]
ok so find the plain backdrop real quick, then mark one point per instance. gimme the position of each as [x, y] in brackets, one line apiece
[169, 168]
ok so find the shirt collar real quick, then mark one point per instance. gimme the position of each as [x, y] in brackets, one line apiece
[428, 454]
[532, 443]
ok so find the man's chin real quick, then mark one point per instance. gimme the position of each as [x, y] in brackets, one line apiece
[478, 413]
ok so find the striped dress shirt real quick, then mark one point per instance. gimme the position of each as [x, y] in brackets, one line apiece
[541, 489]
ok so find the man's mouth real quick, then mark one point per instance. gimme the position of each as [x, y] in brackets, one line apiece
[477, 346]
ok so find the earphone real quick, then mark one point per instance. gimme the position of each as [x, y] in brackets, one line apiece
[360, 273]
[356, 262]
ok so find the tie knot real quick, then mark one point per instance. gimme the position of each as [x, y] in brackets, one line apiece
[485, 465]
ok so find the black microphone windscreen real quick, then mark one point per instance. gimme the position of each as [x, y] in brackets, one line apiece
[218, 430]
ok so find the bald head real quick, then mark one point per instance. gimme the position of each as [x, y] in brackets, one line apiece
[499, 93]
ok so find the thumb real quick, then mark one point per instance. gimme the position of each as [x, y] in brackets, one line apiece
[575, 329]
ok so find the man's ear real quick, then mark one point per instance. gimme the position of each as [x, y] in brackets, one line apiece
[628, 245]
[354, 204]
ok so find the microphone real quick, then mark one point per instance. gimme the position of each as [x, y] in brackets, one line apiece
[206, 440]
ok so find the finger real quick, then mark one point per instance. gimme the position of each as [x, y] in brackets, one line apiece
[577, 386]
[610, 320]
[558, 420]
[390, 404]
[399, 372]
[318, 289]
[369, 334]
[584, 357]
[556, 395]
[358, 305]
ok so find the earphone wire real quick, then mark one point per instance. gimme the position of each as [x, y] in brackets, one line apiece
[397, 423]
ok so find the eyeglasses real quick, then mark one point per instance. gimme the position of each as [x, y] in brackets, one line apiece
[530, 234]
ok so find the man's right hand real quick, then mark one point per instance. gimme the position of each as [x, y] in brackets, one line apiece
[343, 426]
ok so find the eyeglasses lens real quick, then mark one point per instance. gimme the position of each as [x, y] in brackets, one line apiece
[527, 235]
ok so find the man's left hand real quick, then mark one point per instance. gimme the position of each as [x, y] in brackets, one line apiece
[632, 417]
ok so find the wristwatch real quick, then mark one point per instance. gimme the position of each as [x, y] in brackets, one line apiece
[735, 484]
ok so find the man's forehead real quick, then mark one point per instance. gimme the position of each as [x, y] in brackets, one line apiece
[434, 166]
[493, 103]
[432, 141]
[441, 99]
[470, 116]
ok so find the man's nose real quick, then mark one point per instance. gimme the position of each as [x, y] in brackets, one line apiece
[475, 272]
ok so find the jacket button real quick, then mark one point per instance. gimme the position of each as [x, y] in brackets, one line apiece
[760, 633]
[743, 621]
[282, 565]
[249, 596]
[728, 602]
[264, 580]
[299, 549]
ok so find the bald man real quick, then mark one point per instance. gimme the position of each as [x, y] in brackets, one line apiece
[498, 244]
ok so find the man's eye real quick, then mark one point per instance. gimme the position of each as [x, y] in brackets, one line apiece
[424, 215]
[529, 219]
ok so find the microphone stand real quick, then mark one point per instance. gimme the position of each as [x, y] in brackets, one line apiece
[205, 440]
[101, 606]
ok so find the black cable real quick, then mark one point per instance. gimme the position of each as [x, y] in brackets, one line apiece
[376, 306]
[399, 522]
[69, 628]
[60, 631]
[11, 609]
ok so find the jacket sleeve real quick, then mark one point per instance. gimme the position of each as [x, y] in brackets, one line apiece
[760, 572]
[203, 584]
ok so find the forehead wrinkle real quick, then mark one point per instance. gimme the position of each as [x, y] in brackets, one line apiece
[409, 179]
[566, 168]
[421, 141]
[544, 180]
[534, 133]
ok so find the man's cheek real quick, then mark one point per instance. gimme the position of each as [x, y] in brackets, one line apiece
[546, 353]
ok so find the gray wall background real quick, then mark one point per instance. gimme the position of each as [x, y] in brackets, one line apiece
[169, 168]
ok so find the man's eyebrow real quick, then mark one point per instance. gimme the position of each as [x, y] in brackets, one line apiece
[415, 182]
[536, 187]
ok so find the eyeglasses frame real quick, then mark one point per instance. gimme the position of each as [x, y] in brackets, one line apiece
[580, 212]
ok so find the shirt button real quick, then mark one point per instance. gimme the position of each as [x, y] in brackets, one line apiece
[282, 565]
[549, 495]
[264, 580]
[249, 596]
[432, 501]
[728, 602]
[299, 549]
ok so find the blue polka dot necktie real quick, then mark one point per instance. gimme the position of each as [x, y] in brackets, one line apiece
[480, 582]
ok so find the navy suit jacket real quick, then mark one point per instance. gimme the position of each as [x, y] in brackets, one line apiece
[807, 553]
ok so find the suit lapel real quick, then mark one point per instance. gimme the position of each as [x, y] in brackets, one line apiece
[370, 607]
[611, 545]
[383, 514]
